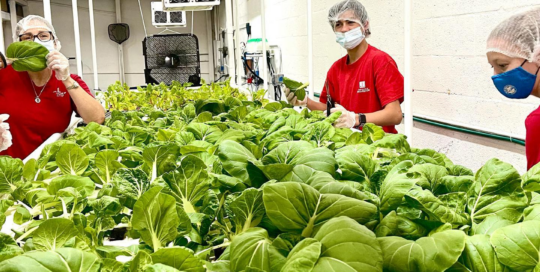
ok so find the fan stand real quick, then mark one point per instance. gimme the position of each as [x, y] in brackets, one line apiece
[169, 30]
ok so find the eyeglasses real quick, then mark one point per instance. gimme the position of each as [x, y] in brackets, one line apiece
[43, 36]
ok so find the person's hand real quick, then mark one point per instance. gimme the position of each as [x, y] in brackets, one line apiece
[293, 100]
[57, 62]
[347, 118]
[5, 135]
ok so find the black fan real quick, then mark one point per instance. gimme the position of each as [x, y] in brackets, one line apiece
[160, 17]
[172, 58]
[176, 17]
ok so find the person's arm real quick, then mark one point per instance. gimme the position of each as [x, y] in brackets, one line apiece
[315, 105]
[390, 115]
[88, 107]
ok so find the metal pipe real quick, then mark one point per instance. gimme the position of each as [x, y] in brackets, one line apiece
[13, 17]
[236, 43]
[120, 47]
[310, 48]
[230, 38]
[47, 10]
[210, 45]
[93, 40]
[470, 127]
[77, 37]
[264, 70]
[2, 48]
[407, 84]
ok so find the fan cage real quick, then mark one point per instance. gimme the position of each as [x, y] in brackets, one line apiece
[184, 46]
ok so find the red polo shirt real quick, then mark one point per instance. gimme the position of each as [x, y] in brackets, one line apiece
[367, 85]
[32, 123]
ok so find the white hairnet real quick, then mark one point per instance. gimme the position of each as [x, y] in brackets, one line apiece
[359, 14]
[518, 36]
[32, 22]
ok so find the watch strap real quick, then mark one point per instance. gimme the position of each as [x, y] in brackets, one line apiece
[74, 86]
[362, 119]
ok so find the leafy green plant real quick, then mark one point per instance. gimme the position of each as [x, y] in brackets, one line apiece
[27, 56]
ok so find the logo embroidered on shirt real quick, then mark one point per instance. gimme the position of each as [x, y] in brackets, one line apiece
[362, 87]
[59, 93]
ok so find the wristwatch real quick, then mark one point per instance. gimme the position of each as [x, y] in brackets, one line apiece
[362, 118]
[74, 86]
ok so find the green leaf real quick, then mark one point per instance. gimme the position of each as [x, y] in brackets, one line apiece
[154, 156]
[372, 133]
[71, 159]
[479, 255]
[254, 249]
[531, 180]
[131, 185]
[347, 246]
[517, 245]
[247, 210]
[396, 225]
[355, 166]
[27, 56]
[450, 212]
[155, 218]
[189, 182]
[435, 253]
[397, 183]
[296, 87]
[497, 190]
[107, 163]
[8, 247]
[61, 260]
[83, 185]
[54, 234]
[11, 171]
[303, 257]
[490, 224]
[235, 158]
[140, 262]
[179, 258]
[299, 208]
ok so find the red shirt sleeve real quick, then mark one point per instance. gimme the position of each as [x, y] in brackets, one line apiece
[389, 82]
[532, 140]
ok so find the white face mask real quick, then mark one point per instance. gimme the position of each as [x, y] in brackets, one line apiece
[49, 44]
[350, 39]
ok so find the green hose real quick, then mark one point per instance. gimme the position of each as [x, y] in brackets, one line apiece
[463, 129]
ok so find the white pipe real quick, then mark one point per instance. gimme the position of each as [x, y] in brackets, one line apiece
[230, 38]
[2, 48]
[264, 71]
[120, 47]
[237, 52]
[93, 40]
[13, 17]
[514, 136]
[310, 48]
[77, 37]
[47, 10]
[407, 84]
[210, 45]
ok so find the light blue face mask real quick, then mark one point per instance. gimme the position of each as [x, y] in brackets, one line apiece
[516, 83]
[48, 44]
[351, 38]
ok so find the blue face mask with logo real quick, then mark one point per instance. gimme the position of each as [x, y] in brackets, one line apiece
[516, 83]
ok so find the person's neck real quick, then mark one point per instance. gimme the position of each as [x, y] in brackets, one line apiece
[357, 52]
[40, 78]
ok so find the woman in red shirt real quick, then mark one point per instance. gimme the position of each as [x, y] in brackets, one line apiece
[366, 83]
[513, 49]
[40, 104]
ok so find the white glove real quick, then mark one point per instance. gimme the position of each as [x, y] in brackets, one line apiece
[293, 100]
[347, 118]
[59, 63]
[5, 135]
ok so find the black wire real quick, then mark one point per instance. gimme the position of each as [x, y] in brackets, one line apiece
[253, 73]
